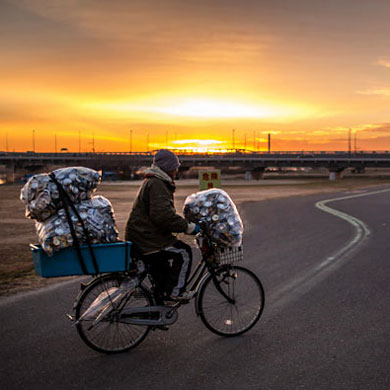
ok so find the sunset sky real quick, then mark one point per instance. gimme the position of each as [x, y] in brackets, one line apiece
[121, 74]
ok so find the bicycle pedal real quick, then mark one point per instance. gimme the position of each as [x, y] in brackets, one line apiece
[184, 301]
[162, 327]
[170, 302]
[69, 317]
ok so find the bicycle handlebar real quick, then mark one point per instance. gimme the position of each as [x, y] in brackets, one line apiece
[202, 226]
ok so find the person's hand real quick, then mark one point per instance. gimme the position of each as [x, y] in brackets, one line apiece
[192, 228]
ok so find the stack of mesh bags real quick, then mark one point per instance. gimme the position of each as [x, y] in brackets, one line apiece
[218, 214]
[44, 204]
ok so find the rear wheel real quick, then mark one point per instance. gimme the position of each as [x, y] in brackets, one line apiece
[98, 312]
[232, 302]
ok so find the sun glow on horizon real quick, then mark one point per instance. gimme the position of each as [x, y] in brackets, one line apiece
[200, 145]
[207, 108]
[202, 142]
[199, 149]
[201, 108]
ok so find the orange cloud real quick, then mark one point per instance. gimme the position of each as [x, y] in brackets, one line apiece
[383, 61]
[381, 91]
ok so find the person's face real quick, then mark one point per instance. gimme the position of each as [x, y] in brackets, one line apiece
[173, 174]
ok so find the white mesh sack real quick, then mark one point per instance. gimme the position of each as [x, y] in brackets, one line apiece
[218, 213]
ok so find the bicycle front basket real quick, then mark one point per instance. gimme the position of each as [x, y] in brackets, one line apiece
[228, 255]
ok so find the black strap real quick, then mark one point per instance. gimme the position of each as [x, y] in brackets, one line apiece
[68, 203]
[127, 255]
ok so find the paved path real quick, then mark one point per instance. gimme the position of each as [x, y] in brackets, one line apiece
[325, 326]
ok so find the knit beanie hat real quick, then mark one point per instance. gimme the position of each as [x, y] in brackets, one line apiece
[166, 160]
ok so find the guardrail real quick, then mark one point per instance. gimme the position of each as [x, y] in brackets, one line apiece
[227, 153]
[248, 160]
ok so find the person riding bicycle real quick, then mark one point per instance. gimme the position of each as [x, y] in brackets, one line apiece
[152, 222]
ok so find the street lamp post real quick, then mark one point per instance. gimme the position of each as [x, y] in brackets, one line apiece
[33, 140]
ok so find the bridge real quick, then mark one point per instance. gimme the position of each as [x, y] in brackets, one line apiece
[254, 162]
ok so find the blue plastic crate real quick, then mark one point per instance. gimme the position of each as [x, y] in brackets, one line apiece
[112, 257]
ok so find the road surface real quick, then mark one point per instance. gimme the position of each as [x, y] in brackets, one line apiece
[326, 324]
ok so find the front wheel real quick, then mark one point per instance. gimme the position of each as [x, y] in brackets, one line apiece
[231, 301]
[98, 314]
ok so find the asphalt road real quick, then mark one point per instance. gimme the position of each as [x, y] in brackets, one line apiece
[325, 325]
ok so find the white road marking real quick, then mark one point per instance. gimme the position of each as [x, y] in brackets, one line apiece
[310, 278]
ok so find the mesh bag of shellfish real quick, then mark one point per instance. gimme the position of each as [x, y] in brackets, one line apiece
[42, 199]
[219, 214]
[97, 215]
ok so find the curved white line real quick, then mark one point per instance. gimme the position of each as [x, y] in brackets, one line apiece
[311, 277]
[362, 230]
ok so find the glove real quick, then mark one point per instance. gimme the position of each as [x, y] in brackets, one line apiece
[192, 228]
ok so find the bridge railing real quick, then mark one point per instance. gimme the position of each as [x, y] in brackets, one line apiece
[230, 153]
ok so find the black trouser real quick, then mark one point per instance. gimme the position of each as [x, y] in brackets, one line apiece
[170, 268]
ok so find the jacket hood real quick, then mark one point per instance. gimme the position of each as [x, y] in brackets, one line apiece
[155, 171]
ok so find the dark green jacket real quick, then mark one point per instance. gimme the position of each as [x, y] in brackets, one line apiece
[153, 218]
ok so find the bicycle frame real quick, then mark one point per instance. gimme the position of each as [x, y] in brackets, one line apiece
[208, 262]
[196, 275]
[167, 315]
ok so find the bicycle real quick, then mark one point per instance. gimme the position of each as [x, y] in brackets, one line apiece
[115, 312]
